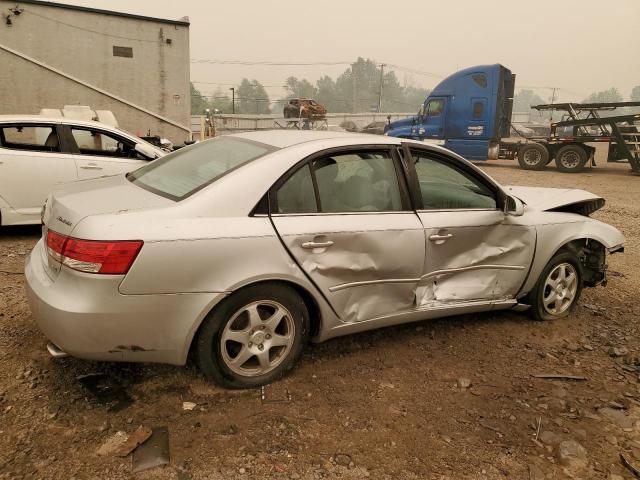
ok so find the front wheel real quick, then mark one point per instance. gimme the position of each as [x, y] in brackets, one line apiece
[254, 337]
[558, 289]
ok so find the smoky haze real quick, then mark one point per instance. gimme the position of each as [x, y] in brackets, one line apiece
[578, 46]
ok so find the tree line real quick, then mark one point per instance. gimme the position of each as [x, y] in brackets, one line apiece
[356, 90]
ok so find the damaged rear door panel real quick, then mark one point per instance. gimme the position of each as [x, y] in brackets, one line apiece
[346, 219]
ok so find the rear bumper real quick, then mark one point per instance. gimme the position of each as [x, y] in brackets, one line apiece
[85, 316]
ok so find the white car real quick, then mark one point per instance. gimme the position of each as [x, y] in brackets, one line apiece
[38, 153]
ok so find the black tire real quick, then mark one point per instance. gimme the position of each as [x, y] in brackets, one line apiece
[533, 156]
[209, 351]
[571, 158]
[542, 290]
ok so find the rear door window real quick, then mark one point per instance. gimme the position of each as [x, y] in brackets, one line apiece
[35, 138]
[363, 181]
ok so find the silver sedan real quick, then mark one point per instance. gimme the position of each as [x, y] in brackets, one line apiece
[243, 248]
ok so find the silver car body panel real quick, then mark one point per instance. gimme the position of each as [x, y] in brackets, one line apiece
[382, 269]
[356, 272]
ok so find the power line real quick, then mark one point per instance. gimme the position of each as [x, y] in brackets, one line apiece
[266, 63]
[70, 25]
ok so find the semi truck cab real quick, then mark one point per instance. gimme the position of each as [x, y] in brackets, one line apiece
[468, 112]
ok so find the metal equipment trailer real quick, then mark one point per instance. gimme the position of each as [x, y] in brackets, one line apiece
[568, 142]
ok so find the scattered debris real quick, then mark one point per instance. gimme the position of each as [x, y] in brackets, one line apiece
[464, 382]
[189, 405]
[617, 416]
[112, 444]
[571, 454]
[627, 464]
[553, 376]
[616, 352]
[106, 390]
[342, 459]
[265, 400]
[549, 438]
[137, 438]
[154, 452]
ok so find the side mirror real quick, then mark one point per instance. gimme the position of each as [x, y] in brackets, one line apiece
[513, 206]
[146, 151]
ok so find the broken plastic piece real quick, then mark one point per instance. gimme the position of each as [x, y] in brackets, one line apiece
[154, 452]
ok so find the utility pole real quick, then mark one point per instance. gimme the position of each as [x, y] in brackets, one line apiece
[381, 81]
[233, 100]
[553, 97]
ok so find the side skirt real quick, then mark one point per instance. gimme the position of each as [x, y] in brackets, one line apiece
[424, 313]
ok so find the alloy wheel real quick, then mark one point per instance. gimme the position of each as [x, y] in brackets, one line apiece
[560, 289]
[257, 338]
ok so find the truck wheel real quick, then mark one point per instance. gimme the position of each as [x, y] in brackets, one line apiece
[533, 156]
[571, 158]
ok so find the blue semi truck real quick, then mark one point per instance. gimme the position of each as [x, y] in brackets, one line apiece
[469, 113]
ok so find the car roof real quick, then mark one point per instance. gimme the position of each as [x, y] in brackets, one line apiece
[47, 119]
[288, 137]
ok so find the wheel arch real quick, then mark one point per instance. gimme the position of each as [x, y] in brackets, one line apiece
[553, 238]
[311, 303]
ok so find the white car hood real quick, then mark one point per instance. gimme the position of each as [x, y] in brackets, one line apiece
[559, 199]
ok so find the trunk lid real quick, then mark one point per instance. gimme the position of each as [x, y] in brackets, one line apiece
[67, 206]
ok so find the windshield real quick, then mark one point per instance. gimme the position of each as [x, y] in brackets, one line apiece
[190, 169]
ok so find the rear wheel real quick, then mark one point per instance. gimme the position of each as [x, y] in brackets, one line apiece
[254, 337]
[571, 158]
[533, 156]
[558, 289]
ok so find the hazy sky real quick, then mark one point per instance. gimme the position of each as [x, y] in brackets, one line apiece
[580, 46]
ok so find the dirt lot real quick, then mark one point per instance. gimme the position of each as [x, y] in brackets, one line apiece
[384, 405]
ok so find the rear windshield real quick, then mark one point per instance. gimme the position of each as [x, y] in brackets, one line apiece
[190, 169]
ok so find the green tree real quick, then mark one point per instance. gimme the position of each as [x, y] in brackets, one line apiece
[635, 94]
[300, 88]
[524, 99]
[251, 97]
[414, 97]
[326, 94]
[198, 102]
[605, 96]
[220, 101]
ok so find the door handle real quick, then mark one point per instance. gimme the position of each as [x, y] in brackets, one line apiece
[440, 238]
[91, 167]
[310, 245]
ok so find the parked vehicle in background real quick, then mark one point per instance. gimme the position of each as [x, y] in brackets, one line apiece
[38, 153]
[241, 248]
[375, 128]
[305, 108]
[469, 113]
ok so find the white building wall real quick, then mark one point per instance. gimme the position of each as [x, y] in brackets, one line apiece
[80, 43]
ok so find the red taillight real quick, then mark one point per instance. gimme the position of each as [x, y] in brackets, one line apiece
[93, 256]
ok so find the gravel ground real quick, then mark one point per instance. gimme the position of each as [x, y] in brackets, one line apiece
[388, 404]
